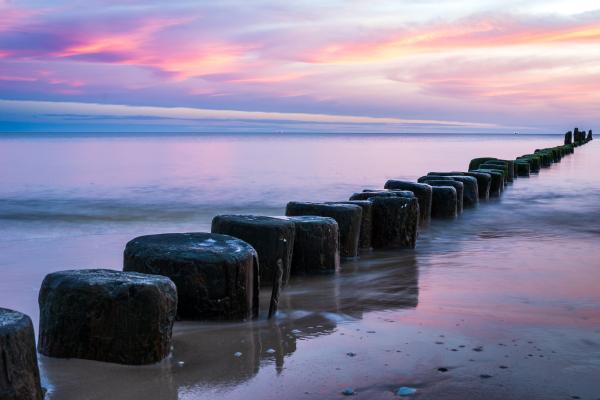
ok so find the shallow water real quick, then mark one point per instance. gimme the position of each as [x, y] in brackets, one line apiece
[509, 290]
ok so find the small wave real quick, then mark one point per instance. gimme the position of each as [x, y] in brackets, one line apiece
[82, 210]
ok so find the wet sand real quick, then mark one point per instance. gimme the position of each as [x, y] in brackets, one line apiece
[503, 303]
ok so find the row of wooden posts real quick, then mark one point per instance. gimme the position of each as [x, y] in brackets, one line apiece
[127, 316]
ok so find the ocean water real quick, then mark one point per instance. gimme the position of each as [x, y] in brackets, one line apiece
[509, 290]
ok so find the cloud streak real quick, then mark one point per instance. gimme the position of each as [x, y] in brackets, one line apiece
[489, 63]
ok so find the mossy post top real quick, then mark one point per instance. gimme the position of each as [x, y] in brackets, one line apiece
[339, 207]
[196, 246]
[476, 162]
[9, 319]
[253, 220]
[101, 277]
[312, 219]
[368, 194]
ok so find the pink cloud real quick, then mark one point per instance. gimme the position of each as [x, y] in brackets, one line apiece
[470, 33]
[15, 78]
[136, 44]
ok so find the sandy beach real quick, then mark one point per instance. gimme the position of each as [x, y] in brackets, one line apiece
[501, 303]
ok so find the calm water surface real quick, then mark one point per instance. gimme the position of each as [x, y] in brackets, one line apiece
[507, 297]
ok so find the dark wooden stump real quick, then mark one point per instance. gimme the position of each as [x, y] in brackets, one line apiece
[470, 188]
[448, 181]
[523, 168]
[217, 276]
[316, 248]
[348, 217]
[106, 315]
[422, 191]
[444, 202]
[19, 373]
[272, 238]
[395, 222]
[366, 224]
[484, 183]
[497, 181]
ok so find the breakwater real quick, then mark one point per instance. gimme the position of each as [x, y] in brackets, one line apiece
[481, 210]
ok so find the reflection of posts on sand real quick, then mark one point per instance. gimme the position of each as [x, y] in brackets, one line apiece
[376, 282]
[108, 380]
[309, 307]
[221, 354]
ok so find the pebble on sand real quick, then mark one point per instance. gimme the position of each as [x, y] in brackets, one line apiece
[348, 392]
[406, 391]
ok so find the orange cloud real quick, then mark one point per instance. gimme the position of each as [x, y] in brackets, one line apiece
[118, 42]
[212, 59]
[461, 35]
[274, 78]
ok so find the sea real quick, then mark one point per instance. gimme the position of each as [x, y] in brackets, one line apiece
[502, 302]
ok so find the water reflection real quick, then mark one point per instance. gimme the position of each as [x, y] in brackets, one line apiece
[206, 356]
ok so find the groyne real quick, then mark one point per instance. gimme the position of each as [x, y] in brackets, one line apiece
[218, 275]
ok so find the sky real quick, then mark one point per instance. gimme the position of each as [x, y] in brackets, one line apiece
[300, 66]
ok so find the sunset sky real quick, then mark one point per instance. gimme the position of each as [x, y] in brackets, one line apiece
[314, 66]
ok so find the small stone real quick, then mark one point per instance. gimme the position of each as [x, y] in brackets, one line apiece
[351, 354]
[443, 369]
[503, 367]
[348, 392]
[406, 391]
[485, 376]
[478, 348]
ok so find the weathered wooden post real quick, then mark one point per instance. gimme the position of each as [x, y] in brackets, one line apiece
[471, 188]
[395, 222]
[316, 247]
[447, 181]
[444, 202]
[366, 222]
[19, 373]
[217, 276]
[107, 315]
[273, 240]
[348, 217]
[422, 191]
[523, 168]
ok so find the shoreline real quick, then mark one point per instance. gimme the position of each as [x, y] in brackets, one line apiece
[425, 261]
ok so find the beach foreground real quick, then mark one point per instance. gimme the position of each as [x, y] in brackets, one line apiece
[501, 303]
